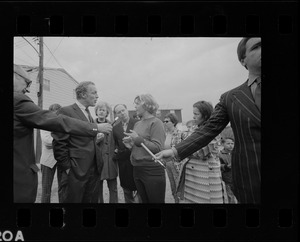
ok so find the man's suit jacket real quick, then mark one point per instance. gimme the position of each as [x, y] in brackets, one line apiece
[238, 107]
[28, 116]
[75, 152]
[123, 155]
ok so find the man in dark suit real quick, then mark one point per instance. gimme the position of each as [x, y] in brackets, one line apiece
[28, 116]
[241, 107]
[124, 124]
[78, 160]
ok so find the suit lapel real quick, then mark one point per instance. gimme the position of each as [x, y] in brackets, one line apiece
[242, 97]
[79, 113]
[130, 124]
[120, 129]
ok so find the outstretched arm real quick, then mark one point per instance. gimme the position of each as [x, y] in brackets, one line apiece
[33, 116]
[206, 133]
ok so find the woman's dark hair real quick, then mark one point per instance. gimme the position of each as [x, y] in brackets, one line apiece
[205, 108]
[172, 117]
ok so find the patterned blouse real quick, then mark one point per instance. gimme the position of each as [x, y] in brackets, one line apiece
[177, 137]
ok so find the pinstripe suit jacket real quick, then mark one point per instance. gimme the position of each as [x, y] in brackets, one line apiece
[236, 106]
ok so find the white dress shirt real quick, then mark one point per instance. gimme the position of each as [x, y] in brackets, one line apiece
[82, 108]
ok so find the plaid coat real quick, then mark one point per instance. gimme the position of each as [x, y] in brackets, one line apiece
[236, 106]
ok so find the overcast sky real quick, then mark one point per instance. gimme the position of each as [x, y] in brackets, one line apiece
[177, 71]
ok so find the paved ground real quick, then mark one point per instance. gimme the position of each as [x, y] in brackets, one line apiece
[54, 195]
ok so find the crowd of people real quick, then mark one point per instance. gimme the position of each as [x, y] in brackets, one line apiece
[203, 165]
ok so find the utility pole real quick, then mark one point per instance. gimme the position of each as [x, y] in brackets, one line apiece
[40, 81]
[41, 74]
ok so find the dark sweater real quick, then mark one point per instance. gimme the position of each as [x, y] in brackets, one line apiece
[152, 131]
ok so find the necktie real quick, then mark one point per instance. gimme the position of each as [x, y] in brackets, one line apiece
[257, 94]
[89, 115]
[124, 126]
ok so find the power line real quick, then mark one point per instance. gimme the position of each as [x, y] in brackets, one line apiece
[32, 46]
[25, 61]
[54, 50]
[20, 44]
[53, 55]
[19, 41]
[28, 55]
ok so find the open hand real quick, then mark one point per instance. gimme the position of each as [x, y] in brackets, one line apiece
[128, 142]
[164, 154]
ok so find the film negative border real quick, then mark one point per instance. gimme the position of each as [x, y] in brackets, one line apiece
[274, 219]
[179, 222]
[158, 20]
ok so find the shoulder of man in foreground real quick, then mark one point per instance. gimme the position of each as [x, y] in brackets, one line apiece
[234, 89]
[20, 96]
[66, 110]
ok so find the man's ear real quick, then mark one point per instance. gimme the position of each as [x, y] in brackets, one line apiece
[243, 63]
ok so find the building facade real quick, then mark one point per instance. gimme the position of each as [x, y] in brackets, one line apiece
[58, 86]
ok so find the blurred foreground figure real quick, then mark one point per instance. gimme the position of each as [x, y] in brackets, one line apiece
[28, 116]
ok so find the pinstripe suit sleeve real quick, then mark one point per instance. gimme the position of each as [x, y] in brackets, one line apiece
[207, 132]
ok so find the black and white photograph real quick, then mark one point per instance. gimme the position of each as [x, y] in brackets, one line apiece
[147, 121]
[137, 120]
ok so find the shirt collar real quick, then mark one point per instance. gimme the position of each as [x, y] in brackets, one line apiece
[123, 123]
[251, 79]
[80, 105]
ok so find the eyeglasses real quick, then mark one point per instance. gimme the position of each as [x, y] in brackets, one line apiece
[28, 82]
[167, 121]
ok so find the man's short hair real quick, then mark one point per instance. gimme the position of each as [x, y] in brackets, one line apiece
[241, 49]
[118, 105]
[81, 89]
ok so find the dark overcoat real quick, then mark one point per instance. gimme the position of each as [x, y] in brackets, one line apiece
[28, 116]
[123, 155]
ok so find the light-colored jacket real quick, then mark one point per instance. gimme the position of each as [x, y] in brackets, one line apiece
[47, 157]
